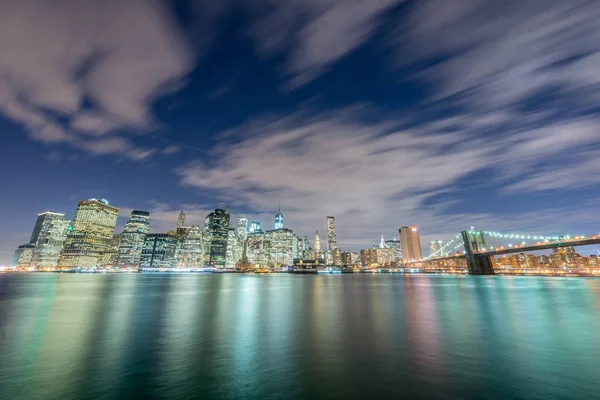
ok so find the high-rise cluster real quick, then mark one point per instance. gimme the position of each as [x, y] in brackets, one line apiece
[90, 241]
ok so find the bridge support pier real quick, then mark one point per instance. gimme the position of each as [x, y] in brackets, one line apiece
[480, 265]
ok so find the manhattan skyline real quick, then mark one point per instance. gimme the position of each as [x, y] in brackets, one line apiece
[381, 114]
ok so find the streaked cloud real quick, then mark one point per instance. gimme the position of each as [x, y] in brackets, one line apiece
[379, 176]
[98, 64]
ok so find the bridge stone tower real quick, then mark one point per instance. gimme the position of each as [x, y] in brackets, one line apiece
[478, 264]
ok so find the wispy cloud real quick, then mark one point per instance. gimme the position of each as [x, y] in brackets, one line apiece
[378, 176]
[98, 64]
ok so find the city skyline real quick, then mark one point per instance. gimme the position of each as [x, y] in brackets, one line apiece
[91, 240]
[380, 117]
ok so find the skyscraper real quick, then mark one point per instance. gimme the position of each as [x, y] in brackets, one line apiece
[191, 249]
[254, 252]
[331, 236]
[132, 239]
[22, 256]
[50, 241]
[280, 246]
[181, 220]
[396, 248]
[218, 227]
[43, 218]
[231, 256]
[317, 242]
[382, 243]
[410, 242]
[255, 227]
[160, 251]
[279, 219]
[242, 228]
[93, 228]
[436, 248]
[109, 257]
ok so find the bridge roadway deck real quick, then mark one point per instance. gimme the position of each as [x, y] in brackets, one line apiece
[520, 249]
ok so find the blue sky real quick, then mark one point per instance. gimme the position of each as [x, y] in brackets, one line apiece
[381, 113]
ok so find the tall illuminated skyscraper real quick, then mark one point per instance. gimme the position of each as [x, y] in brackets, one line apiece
[181, 220]
[91, 235]
[231, 256]
[331, 236]
[242, 228]
[160, 251]
[50, 241]
[410, 243]
[191, 249]
[132, 239]
[43, 219]
[218, 227]
[255, 227]
[279, 247]
[279, 219]
[317, 242]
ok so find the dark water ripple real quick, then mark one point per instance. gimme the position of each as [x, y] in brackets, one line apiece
[68, 336]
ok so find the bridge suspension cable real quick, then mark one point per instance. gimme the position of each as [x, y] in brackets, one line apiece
[503, 235]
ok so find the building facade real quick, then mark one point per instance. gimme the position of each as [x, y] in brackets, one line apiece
[22, 256]
[218, 227]
[254, 249]
[160, 251]
[280, 247]
[132, 239]
[410, 242]
[278, 220]
[50, 241]
[91, 234]
[331, 234]
[42, 223]
[191, 249]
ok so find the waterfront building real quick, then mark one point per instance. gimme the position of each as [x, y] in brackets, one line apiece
[181, 220]
[91, 234]
[159, 251]
[346, 258]
[50, 241]
[43, 219]
[436, 248]
[396, 247]
[336, 257]
[300, 247]
[368, 257]
[410, 243]
[279, 219]
[331, 235]
[191, 249]
[22, 256]
[206, 240]
[132, 239]
[231, 258]
[384, 255]
[218, 227]
[109, 257]
[279, 247]
[242, 228]
[254, 249]
[317, 242]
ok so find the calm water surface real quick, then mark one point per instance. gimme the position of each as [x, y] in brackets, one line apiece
[77, 336]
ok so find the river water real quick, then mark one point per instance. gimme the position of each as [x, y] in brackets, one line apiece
[126, 336]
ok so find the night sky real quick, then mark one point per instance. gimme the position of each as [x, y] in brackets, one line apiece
[381, 113]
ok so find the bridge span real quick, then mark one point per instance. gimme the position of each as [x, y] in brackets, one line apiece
[479, 256]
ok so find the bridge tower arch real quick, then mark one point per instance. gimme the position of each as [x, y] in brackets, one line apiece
[478, 264]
